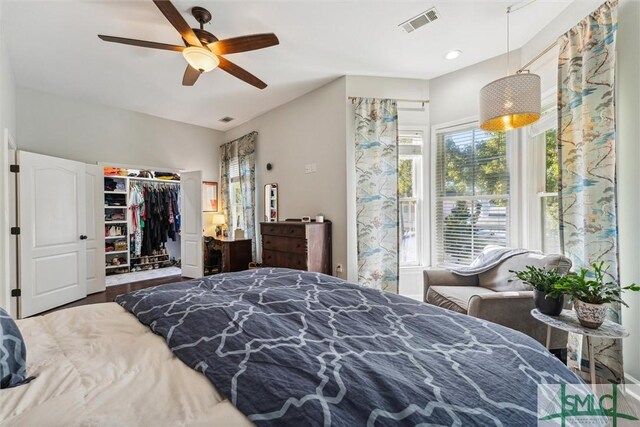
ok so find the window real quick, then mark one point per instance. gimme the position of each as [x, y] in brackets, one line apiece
[236, 212]
[545, 181]
[410, 196]
[471, 193]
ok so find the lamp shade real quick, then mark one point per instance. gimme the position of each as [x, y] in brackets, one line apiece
[510, 102]
[200, 58]
[217, 219]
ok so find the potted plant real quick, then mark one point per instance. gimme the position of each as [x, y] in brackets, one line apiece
[547, 298]
[591, 294]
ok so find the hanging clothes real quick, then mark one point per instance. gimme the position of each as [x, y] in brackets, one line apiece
[154, 216]
[136, 222]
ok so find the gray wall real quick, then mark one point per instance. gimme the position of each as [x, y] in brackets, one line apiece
[64, 127]
[454, 96]
[309, 129]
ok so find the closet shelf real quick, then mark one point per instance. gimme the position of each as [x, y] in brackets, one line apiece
[114, 237]
[150, 263]
[150, 256]
[109, 267]
[116, 222]
[114, 207]
[115, 192]
[116, 252]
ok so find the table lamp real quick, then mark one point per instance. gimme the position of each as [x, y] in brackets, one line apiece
[217, 221]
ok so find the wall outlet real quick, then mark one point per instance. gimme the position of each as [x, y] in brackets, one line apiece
[339, 268]
[310, 168]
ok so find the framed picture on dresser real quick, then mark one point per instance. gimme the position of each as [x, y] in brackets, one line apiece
[210, 196]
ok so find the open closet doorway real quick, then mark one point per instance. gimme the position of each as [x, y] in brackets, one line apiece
[145, 221]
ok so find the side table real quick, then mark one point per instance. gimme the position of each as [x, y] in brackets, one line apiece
[568, 321]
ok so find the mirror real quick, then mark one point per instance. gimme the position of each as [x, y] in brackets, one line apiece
[271, 202]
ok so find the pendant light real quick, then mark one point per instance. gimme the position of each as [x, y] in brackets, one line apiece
[510, 102]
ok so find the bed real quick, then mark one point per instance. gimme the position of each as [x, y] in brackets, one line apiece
[275, 347]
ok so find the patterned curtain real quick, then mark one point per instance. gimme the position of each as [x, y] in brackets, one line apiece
[376, 124]
[241, 153]
[586, 139]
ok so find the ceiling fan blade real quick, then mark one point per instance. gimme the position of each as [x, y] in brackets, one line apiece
[241, 73]
[142, 43]
[175, 18]
[190, 76]
[243, 43]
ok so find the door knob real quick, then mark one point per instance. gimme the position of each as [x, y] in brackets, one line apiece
[83, 237]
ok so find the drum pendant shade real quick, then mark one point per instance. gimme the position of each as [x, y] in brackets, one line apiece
[510, 102]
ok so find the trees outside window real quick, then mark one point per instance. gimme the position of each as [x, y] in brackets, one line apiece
[472, 193]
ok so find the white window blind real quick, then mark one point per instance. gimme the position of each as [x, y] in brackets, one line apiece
[472, 194]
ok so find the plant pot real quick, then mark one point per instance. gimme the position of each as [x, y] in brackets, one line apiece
[548, 306]
[590, 315]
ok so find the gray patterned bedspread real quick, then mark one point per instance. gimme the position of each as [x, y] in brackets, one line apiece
[294, 348]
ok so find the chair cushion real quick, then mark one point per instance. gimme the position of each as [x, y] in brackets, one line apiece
[454, 298]
[497, 279]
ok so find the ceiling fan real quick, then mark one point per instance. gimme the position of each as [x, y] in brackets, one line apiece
[203, 51]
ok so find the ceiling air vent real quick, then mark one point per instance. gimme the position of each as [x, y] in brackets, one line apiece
[421, 20]
[226, 119]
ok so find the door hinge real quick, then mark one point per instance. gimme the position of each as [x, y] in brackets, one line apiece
[15, 231]
[16, 292]
[14, 168]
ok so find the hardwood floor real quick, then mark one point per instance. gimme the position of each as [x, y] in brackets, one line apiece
[112, 291]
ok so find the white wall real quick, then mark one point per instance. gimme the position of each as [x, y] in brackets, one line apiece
[309, 129]
[76, 130]
[628, 156]
[7, 121]
[383, 87]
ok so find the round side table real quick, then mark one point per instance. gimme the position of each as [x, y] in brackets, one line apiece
[568, 321]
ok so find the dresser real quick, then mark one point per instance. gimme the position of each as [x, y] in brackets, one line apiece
[224, 254]
[297, 245]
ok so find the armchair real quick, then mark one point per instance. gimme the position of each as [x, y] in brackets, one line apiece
[491, 296]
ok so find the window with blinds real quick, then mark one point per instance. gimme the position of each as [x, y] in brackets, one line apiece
[236, 212]
[472, 194]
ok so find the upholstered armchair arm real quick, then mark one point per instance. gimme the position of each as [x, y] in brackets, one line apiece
[502, 307]
[513, 310]
[446, 278]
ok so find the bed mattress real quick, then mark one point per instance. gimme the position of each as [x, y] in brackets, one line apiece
[98, 365]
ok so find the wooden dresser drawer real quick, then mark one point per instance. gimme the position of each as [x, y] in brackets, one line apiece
[284, 244]
[270, 258]
[289, 260]
[289, 230]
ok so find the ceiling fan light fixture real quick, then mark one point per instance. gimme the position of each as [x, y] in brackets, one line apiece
[200, 58]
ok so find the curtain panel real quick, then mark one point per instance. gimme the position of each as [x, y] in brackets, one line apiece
[376, 165]
[241, 153]
[587, 147]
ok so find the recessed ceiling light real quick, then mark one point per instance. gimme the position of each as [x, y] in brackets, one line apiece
[453, 54]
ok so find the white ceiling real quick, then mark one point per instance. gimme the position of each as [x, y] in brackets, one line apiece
[54, 47]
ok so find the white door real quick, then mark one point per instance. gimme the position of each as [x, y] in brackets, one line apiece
[95, 228]
[52, 216]
[191, 223]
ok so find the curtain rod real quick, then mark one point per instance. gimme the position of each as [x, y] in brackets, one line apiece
[422, 101]
[535, 58]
